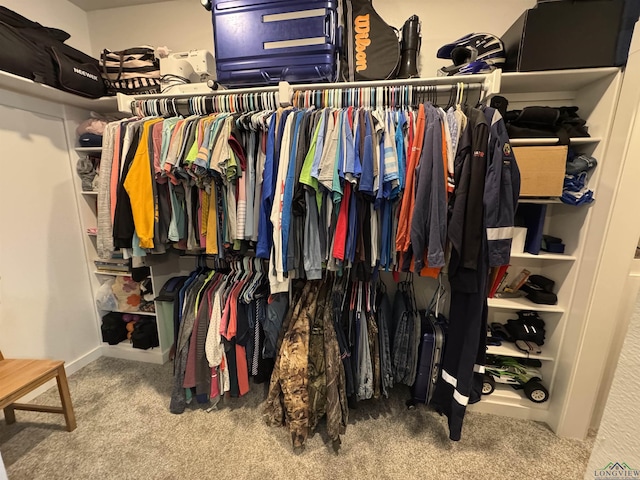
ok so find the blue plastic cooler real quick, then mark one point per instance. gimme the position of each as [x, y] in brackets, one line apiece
[264, 42]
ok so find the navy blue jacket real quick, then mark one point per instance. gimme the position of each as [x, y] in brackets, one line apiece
[501, 190]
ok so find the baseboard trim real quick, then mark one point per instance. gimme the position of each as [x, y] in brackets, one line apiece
[124, 351]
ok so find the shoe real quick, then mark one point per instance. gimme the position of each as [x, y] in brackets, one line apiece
[581, 163]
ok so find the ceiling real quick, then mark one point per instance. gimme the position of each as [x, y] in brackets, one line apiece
[89, 5]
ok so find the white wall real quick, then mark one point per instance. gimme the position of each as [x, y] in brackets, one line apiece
[618, 439]
[185, 25]
[58, 14]
[180, 25]
[46, 306]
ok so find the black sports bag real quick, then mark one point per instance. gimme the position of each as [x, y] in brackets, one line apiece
[145, 334]
[371, 46]
[39, 53]
[114, 329]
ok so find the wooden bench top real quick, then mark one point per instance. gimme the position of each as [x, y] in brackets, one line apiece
[15, 374]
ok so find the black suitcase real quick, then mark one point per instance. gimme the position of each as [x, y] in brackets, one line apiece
[430, 358]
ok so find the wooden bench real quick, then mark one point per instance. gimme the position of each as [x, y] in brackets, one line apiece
[19, 377]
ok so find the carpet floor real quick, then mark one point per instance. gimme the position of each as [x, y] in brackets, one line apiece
[125, 431]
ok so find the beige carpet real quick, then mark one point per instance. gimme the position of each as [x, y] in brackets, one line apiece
[125, 431]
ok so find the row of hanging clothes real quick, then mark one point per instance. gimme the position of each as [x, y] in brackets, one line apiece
[340, 342]
[197, 182]
[222, 335]
[324, 193]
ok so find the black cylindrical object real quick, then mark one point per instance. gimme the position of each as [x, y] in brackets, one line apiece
[410, 47]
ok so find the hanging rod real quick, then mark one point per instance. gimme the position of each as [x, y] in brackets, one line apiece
[489, 80]
[125, 101]
[490, 84]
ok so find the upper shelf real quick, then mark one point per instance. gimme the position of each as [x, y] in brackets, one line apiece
[505, 83]
[553, 80]
[8, 81]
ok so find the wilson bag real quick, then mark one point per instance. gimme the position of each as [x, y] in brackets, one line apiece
[371, 46]
[133, 70]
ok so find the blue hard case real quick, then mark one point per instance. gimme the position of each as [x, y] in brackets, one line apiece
[264, 42]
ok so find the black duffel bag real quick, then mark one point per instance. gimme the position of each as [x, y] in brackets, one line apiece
[39, 53]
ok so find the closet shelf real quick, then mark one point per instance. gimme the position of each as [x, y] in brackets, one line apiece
[516, 142]
[18, 84]
[88, 149]
[509, 349]
[545, 256]
[112, 274]
[507, 395]
[145, 314]
[128, 345]
[540, 201]
[554, 80]
[522, 304]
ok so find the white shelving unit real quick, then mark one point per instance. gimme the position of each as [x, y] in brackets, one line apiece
[595, 92]
[161, 268]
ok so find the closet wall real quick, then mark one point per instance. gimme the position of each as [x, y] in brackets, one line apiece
[46, 307]
[184, 25]
[59, 14]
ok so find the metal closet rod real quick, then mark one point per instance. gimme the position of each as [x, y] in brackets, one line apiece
[489, 83]
[444, 82]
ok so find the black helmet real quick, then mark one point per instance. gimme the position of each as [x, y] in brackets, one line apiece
[473, 53]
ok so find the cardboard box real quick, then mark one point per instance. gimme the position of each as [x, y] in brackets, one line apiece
[542, 170]
[571, 34]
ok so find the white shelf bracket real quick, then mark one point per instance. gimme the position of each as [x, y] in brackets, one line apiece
[492, 84]
[124, 102]
[285, 94]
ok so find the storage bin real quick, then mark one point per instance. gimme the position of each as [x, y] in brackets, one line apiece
[263, 42]
[542, 170]
[569, 34]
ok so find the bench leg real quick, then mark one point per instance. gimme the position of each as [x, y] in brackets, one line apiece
[9, 415]
[65, 398]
